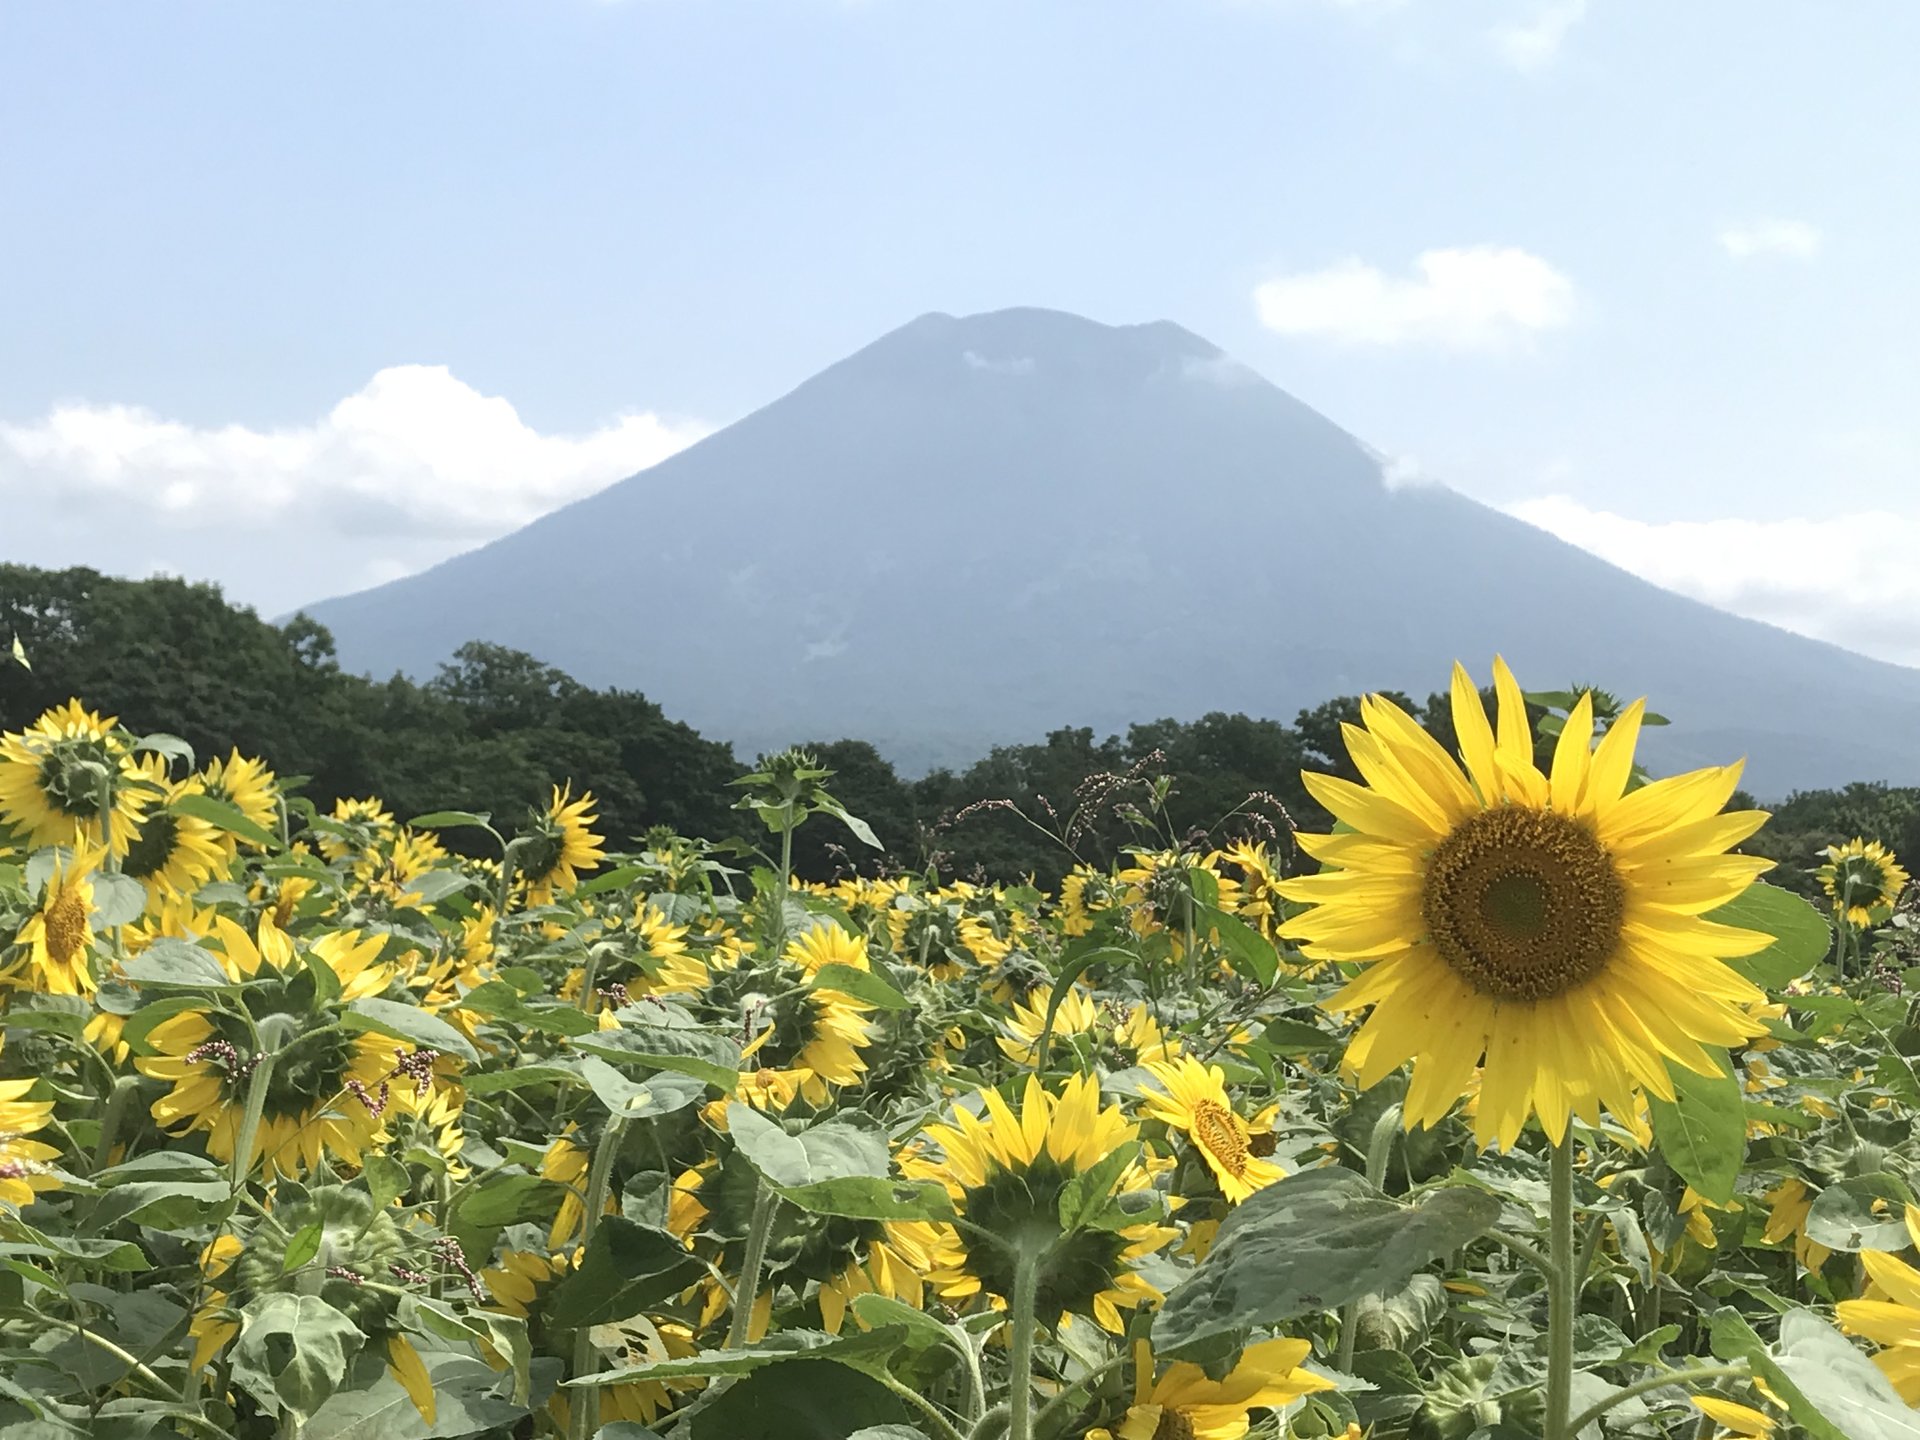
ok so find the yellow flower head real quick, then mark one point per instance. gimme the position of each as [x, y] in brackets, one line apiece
[1548, 926]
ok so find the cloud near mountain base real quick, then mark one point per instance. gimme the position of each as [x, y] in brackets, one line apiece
[1849, 579]
[413, 467]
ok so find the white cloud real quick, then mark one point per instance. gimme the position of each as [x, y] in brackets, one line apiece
[1479, 297]
[1849, 579]
[1014, 365]
[1534, 44]
[1791, 239]
[413, 467]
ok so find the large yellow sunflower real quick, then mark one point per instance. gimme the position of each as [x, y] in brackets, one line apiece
[1006, 1175]
[58, 937]
[1551, 924]
[1193, 1100]
[54, 776]
[557, 846]
[1185, 1403]
[175, 853]
[1863, 880]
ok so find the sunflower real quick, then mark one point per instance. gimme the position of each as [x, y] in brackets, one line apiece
[391, 870]
[815, 1034]
[54, 778]
[825, 945]
[358, 825]
[1185, 1403]
[1551, 925]
[1892, 1321]
[1077, 1015]
[557, 845]
[1006, 1175]
[325, 1096]
[25, 1165]
[58, 937]
[1863, 880]
[248, 786]
[175, 853]
[1195, 1103]
[1260, 900]
[1790, 1202]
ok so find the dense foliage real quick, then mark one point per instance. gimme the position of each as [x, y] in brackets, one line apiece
[310, 1127]
[497, 729]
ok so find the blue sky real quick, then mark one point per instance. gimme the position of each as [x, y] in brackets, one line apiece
[1643, 273]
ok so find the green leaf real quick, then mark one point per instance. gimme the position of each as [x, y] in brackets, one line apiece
[1296, 1037]
[293, 1351]
[704, 1054]
[627, 1267]
[520, 1078]
[177, 963]
[919, 1330]
[864, 1350]
[795, 1400]
[445, 819]
[171, 746]
[117, 900]
[497, 1000]
[1702, 1132]
[1312, 1242]
[164, 1204]
[479, 1212]
[1843, 1218]
[862, 831]
[850, 1144]
[862, 985]
[1086, 1195]
[1801, 936]
[1249, 952]
[407, 1022]
[868, 1197]
[222, 816]
[662, 1094]
[472, 1398]
[1839, 1384]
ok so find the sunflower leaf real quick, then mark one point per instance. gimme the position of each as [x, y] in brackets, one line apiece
[1702, 1131]
[864, 985]
[1312, 1242]
[407, 1022]
[1801, 935]
[626, 1268]
[222, 816]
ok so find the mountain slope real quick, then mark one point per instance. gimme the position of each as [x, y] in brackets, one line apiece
[978, 529]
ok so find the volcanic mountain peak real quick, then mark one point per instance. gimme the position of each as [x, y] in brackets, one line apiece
[981, 528]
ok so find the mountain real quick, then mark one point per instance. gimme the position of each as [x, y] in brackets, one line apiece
[976, 530]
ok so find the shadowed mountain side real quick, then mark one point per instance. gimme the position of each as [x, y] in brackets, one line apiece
[975, 530]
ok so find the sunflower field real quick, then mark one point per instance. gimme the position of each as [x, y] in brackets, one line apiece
[1518, 1105]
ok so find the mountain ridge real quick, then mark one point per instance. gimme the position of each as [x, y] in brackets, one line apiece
[976, 529]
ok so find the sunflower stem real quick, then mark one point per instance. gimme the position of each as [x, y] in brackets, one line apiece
[125, 1090]
[747, 1293]
[1021, 1315]
[1562, 1295]
[1379, 1154]
[583, 1413]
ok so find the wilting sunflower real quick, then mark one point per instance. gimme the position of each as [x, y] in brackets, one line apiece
[1184, 1403]
[248, 786]
[175, 853]
[1193, 1100]
[1864, 881]
[54, 777]
[1006, 1174]
[1892, 1321]
[58, 937]
[557, 845]
[1550, 923]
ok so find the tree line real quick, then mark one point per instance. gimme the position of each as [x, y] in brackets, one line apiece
[495, 728]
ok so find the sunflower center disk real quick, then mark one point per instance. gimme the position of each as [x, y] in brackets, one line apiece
[1213, 1127]
[1174, 1425]
[1524, 904]
[66, 927]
